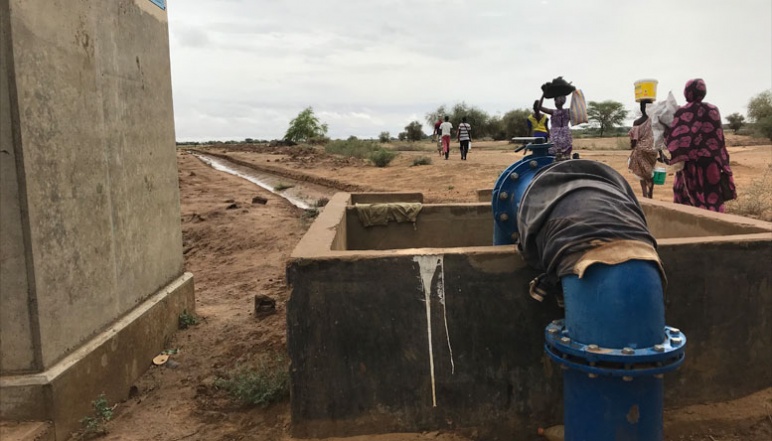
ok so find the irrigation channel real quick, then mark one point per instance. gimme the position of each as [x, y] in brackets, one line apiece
[303, 195]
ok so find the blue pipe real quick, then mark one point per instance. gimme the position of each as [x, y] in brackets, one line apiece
[510, 188]
[613, 345]
[616, 311]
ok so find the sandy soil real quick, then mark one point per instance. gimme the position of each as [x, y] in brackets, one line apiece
[238, 252]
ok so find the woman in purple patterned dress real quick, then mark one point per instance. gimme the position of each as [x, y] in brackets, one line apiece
[695, 140]
[560, 135]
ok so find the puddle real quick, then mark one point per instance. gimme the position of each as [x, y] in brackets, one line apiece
[300, 194]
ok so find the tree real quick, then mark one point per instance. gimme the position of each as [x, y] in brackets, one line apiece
[384, 137]
[515, 123]
[735, 121]
[432, 117]
[606, 114]
[306, 127]
[414, 131]
[760, 113]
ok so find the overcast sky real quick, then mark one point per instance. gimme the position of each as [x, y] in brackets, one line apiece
[245, 68]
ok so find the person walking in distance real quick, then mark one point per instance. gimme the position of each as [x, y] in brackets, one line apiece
[438, 134]
[445, 129]
[539, 123]
[560, 135]
[644, 154]
[464, 135]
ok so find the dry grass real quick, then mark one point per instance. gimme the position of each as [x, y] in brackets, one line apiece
[756, 200]
[615, 143]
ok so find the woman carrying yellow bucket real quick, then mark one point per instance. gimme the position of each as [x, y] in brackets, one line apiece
[643, 158]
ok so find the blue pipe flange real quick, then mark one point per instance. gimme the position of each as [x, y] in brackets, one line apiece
[509, 189]
[615, 362]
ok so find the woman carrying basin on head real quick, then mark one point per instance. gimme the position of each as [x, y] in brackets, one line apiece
[696, 144]
[560, 136]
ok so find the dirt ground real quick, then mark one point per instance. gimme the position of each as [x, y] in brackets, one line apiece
[237, 252]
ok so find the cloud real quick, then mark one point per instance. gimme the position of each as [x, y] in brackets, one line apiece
[243, 68]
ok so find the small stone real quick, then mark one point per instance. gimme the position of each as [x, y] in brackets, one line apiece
[232, 206]
[259, 200]
[264, 306]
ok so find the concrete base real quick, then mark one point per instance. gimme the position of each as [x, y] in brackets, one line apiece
[107, 364]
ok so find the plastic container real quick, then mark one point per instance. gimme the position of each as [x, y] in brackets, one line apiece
[659, 175]
[646, 90]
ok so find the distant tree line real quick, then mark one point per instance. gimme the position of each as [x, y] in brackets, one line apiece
[497, 127]
[606, 119]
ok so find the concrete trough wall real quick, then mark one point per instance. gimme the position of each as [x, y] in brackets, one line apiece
[417, 338]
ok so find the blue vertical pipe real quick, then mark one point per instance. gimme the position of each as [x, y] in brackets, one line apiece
[614, 306]
[610, 409]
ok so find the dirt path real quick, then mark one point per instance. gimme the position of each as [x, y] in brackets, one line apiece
[240, 251]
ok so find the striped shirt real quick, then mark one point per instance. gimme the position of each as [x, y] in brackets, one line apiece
[464, 132]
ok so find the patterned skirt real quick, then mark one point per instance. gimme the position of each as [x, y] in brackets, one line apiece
[704, 184]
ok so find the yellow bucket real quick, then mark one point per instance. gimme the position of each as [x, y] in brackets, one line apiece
[646, 90]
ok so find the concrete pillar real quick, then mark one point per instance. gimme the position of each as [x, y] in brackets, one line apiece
[90, 243]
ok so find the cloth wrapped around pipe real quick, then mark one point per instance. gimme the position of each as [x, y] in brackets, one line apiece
[578, 213]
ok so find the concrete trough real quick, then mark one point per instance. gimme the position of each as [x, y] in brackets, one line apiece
[425, 326]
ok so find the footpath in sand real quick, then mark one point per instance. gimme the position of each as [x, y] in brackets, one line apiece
[237, 249]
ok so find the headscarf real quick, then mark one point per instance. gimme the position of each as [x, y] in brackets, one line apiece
[696, 129]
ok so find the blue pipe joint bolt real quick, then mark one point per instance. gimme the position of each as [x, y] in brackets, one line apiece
[509, 190]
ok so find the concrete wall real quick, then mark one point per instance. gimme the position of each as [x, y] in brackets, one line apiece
[720, 295]
[17, 334]
[363, 361]
[437, 226]
[359, 326]
[95, 165]
[671, 221]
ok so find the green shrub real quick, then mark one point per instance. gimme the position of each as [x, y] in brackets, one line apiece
[94, 425]
[186, 320]
[266, 383]
[382, 158]
[422, 160]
